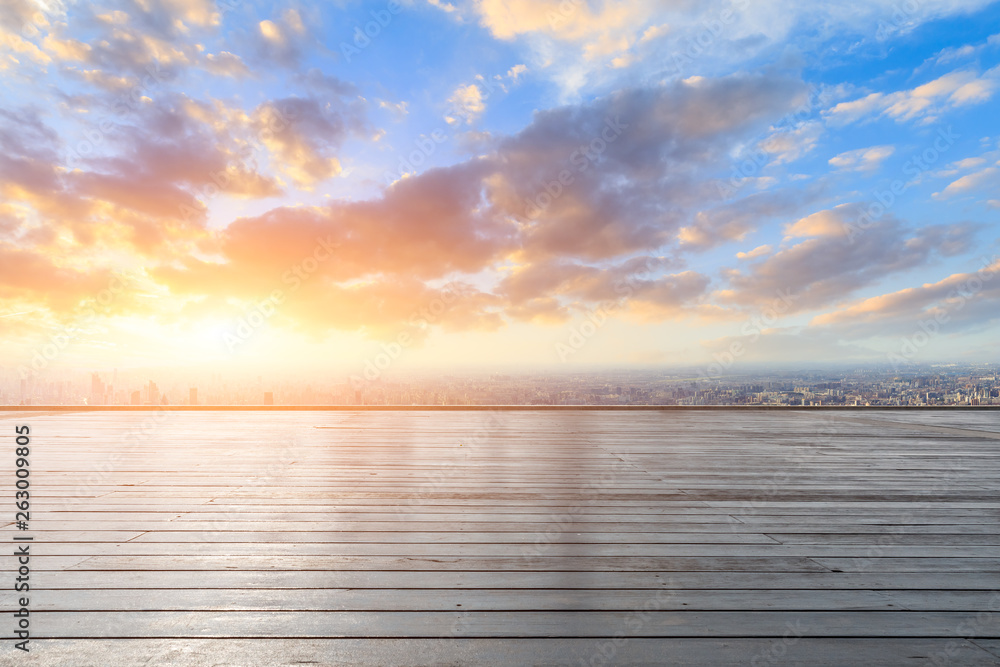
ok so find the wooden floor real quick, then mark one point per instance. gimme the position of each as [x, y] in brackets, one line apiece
[514, 537]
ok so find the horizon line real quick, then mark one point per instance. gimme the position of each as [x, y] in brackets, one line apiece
[459, 408]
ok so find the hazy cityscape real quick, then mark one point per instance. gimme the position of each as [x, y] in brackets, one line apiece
[942, 384]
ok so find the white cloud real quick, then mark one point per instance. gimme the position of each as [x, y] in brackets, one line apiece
[654, 32]
[862, 159]
[759, 251]
[398, 109]
[831, 222]
[925, 102]
[443, 6]
[788, 145]
[516, 71]
[466, 103]
[968, 163]
[970, 182]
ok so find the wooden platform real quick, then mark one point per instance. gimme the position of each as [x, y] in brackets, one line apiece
[509, 537]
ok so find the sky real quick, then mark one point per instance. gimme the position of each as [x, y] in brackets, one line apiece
[475, 183]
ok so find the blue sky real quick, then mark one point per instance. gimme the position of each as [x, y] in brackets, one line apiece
[766, 182]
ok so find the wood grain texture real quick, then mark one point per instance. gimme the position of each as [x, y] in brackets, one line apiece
[703, 537]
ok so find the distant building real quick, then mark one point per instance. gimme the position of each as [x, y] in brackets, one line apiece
[153, 393]
[268, 398]
[193, 395]
[136, 397]
[97, 390]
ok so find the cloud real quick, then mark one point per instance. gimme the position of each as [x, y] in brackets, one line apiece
[735, 220]
[562, 20]
[826, 268]
[633, 164]
[862, 159]
[581, 35]
[149, 39]
[960, 301]
[624, 176]
[169, 17]
[623, 201]
[789, 144]
[515, 72]
[143, 189]
[582, 44]
[968, 163]
[29, 173]
[443, 6]
[982, 179]
[425, 226]
[227, 64]
[281, 40]
[550, 292]
[830, 222]
[325, 86]
[466, 103]
[653, 33]
[304, 136]
[15, 46]
[759, 251]
[379, 256]
[955, 53]
[925, 102]
[32, 276]
[397, 109]
[107, 82]
[569, 280]
[67, 50]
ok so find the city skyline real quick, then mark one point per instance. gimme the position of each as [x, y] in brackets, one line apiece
[935, 385]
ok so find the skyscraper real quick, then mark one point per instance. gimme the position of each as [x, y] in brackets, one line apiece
[96, 390]
[153, 393]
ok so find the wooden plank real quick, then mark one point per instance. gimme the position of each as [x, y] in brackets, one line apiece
[430, 563]
[320, 624]
[476, 600]
[522, 580]
[537, 523]
[564, 549]
[431, 599]
[629, 650]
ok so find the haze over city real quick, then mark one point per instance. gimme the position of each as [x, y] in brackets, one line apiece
[935, 385]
